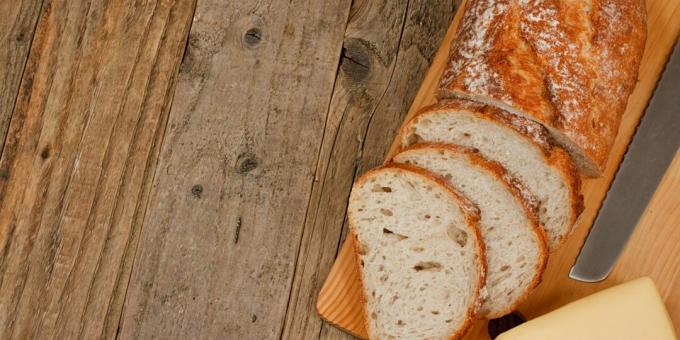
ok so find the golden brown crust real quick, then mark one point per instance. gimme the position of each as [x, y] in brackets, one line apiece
[524, 196]
[569, 65]
[531, 131]
[560, 159]
[471, 213]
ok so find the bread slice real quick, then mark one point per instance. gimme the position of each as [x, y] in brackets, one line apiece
[420, 254]
[520, 145]
[516, 249]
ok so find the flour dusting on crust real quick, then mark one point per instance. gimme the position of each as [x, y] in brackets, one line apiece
[474, 42]
[567, 64]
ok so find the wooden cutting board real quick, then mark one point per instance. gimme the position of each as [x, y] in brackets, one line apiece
[653, 250]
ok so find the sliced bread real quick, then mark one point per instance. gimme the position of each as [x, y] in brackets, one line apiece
[522, 146]
[516, 249]
[420, 254]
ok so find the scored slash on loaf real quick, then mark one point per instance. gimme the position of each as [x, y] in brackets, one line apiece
[485, 183]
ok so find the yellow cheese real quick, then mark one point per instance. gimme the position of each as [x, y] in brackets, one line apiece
[631, 311]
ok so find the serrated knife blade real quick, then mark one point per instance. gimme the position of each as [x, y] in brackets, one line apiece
[654, 145]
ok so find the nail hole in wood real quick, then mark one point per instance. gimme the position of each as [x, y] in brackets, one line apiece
[45, 153]
[253, 37]
[246, 162]
[21, 37]
[197, 190]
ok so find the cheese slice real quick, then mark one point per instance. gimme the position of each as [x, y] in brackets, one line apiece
[631, 311]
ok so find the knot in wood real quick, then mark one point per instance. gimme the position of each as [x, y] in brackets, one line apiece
[252, 37]
[246, 162]
[356, 60]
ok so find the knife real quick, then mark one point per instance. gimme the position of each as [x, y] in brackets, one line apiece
[649, 155]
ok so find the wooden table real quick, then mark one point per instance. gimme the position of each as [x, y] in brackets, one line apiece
[180, 169]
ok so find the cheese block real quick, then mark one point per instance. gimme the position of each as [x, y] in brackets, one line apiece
[631, 311]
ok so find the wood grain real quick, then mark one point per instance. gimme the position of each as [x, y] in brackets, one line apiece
[653, 249]
[17, 25]
[388, 46]
[79, 156]
[224, 223]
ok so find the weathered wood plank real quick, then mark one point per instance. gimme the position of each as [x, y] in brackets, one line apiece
[225, 218]
[79, 157]
[17, 25]
[387, 49]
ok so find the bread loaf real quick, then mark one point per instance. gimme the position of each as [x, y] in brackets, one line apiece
[419, 252]
[567, 64]
[520, 145]
[516, 249]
